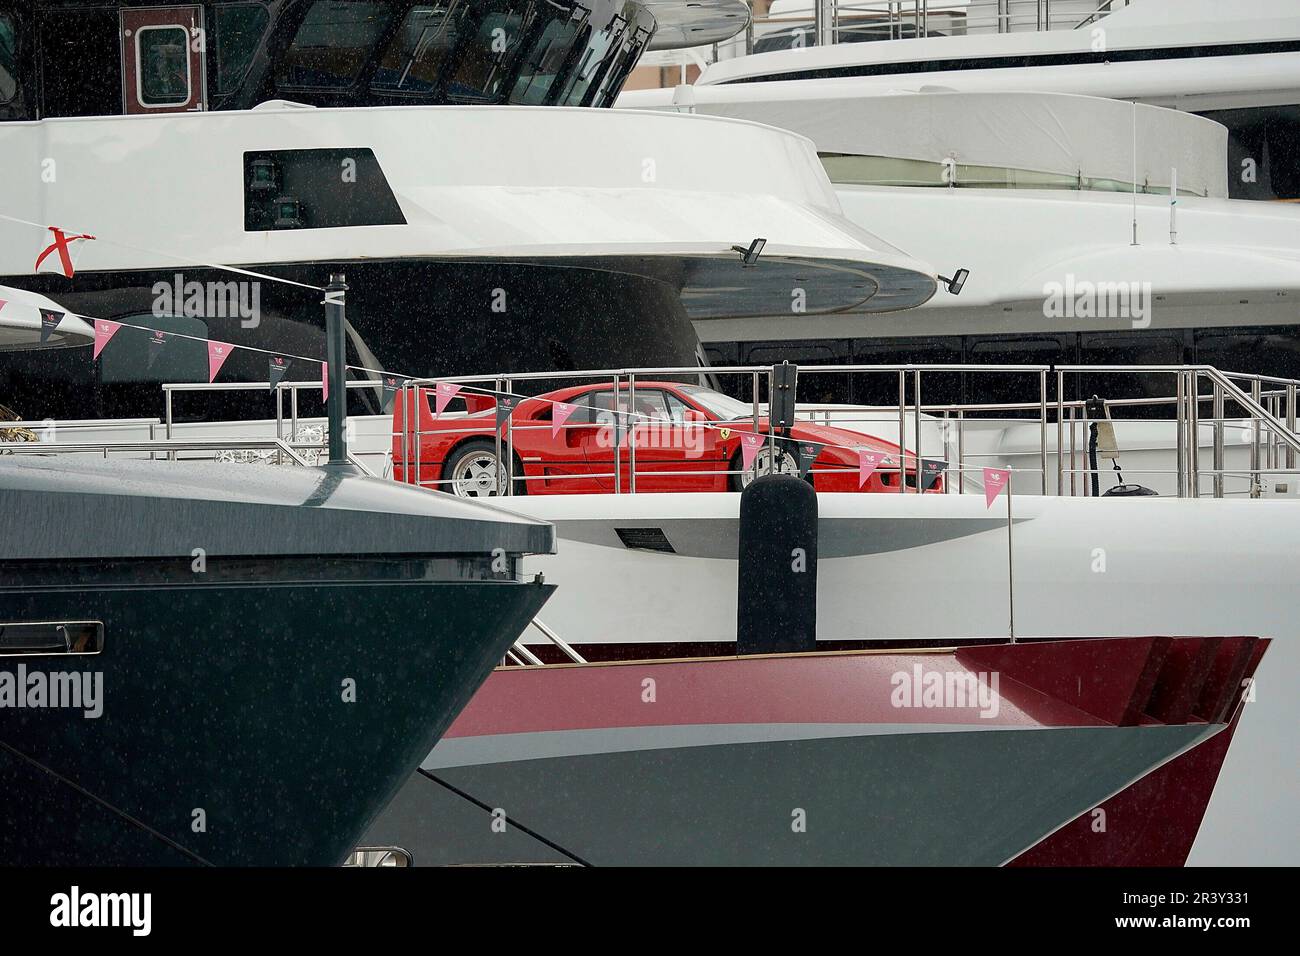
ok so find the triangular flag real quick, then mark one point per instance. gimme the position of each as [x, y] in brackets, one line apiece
[808, 452]
[392, 385]
[995, 480]
[3, 303]
[443, 393]
[931, 469]
[749, 446]
[868, 462]
[277, 369]
[104, 332]
[325, 381]
[560, 413]
[49, 322]
[157, 340]
[505, 408]
[218, 352]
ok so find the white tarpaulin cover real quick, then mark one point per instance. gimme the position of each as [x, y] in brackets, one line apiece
[1054, 133]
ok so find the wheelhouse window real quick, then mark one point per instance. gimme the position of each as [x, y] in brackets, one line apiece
[239, 31]
[333, 43]
[163, 60]
[414, 59]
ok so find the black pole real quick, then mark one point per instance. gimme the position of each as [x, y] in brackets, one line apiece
[336, 405]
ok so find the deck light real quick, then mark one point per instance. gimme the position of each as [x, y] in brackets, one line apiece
[750, 255]
[956, 282]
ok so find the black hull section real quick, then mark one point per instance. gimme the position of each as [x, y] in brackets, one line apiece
[411, 316]
[230, 700]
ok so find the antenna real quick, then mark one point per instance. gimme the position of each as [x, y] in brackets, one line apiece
[1135, 174]
[1173, 206]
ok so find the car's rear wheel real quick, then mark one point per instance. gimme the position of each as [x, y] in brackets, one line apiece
[473, 471]
[785, 465]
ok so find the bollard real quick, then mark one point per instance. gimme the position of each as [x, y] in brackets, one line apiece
[776, 587]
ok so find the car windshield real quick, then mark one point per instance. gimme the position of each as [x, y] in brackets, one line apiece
[722, 406]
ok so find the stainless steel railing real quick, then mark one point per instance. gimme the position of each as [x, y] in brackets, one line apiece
[845, 21]
[1268, 411]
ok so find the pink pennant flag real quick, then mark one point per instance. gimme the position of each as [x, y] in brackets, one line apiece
[218, 352]
[3, 303]
[104, 332]
[995, 480]
[868, 462]
[559, 415]
[749, 446]
[325, 381]
[443, 393]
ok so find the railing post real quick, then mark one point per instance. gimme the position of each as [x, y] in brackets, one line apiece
[1042, 427]
[757, 394]
[1254, 442]
[415, 432]
[167, 398]
[1218, 440]
[1290, 423]
[1074, 465]
[1194, 432]
[508, 429]
[631, 433]
[497, 388]
[916, 387]
[902, 431]
[1181, 406]
[1060, 433]
[961, 451]
[618, 455]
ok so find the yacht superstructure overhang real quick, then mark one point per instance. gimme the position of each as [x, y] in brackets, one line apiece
[684, 24]
[1169, 39]
[657, 196]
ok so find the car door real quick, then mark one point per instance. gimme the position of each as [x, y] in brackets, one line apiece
[675, 451]
[581, 456]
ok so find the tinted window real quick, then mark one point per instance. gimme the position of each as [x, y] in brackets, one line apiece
[813, 387]
[999, 387]
[1267, 351]
[239, 29]
[333, 43]
[937, 388]
[163, 60]
[1129, 348]
[544, 61]
[1263, 143]
[8, 58]
[414, 59]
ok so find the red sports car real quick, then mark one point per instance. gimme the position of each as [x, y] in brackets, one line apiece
[686, 438]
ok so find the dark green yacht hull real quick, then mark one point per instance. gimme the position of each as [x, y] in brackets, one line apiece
[262, 711]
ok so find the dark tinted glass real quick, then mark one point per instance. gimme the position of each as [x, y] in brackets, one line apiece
[1263, 143]
[239, 29]
[937, 388]
[333, 43]
[8, 58]
[1123, 348]
[817, 388]
[415, 57]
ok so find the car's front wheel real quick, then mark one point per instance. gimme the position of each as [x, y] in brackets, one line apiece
[473, 471]
[785, 465]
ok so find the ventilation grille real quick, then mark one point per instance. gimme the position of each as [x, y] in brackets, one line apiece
[645, 539]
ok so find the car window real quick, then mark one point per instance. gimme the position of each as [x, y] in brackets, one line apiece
[650, 405]
[678, 410]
